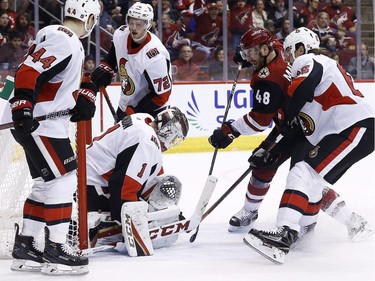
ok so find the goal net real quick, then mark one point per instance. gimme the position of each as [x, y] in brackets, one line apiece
[16, 184]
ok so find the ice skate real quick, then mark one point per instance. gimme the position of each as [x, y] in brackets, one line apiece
[59, 259]
[242, 219]
[27, 257]
[273, 244]
[358, 228]
[304, 237]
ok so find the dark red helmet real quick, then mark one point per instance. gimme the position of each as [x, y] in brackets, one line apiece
[256, 36]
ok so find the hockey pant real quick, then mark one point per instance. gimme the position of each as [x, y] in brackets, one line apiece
[324, 164]
[52, 165]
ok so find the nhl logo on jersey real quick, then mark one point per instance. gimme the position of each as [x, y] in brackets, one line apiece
[264, 72]
[307, 123]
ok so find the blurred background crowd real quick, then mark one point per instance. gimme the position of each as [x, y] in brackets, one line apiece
[201, 36]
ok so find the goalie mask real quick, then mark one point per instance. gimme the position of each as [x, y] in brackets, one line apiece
[172, 127]
[166, 193]
[82, 10]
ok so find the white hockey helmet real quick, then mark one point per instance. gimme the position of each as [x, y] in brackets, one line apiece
[141, 11]
[303, 35]
[81, 10]
[172, 127]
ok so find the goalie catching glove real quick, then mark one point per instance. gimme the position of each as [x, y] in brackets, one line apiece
[224, 136]
[85, 105]
[22, 114]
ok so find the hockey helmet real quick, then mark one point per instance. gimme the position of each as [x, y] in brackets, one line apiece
[81, 10]
[303, 35]
[252, 40]
[172, 127]
[141, 11]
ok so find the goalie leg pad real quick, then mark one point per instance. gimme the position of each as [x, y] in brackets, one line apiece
[135, 229]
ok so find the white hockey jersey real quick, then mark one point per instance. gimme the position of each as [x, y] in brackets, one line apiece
[125, 157]
[324, 97]
[51, 72]
[144, 70]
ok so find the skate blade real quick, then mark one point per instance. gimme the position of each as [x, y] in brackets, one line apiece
[269, 252]
[60, 269]
[239, 229]
[25, 266]
[366, 233]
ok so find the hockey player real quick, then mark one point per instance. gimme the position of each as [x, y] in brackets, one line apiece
[336, 120]
[269, 82]
[45, 81]
[123, 164]
[142, 62]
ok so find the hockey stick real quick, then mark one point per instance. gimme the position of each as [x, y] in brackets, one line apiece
[52, 115]
[192, 238]
[103, 91]
[232, 187]
[226, 114]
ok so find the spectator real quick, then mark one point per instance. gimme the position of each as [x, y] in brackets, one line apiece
[278, 13]
[22, 6]
[325, 32]
[89, 65]
[4, 8]
[341, 15]
[111, 7]
[27, 31]
[308, 13]
[344, 42]
[284, 32]
[185, 7]
[259, 15]
[12, 53]
[209, 27]
[4, 28]
[268, 24]
[239, 21]
[367, 64]
[109, 26]
[336, 56]
[187, 70]
[172, 38]
[215, 69]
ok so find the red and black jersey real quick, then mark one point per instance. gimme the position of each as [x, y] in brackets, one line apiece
[269, 86]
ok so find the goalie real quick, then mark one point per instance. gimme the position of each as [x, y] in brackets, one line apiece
[125, 182]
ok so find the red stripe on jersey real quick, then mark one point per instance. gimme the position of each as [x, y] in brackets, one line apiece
[332, 97]
[296, 82]
[33, 209]
[133, 51]
[58, 212]
[337, 151]
[29, 76]
[48, 91]
[55, 157]
[107, 175]
[130, 188]
[294, 200]
[161, 99]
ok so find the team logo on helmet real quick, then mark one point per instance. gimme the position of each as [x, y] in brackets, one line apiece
[307, 123]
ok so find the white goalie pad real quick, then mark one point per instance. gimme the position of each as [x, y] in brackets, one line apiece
[135, 229]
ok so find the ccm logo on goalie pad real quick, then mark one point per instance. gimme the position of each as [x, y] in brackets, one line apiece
[167, 230]
[129, 232]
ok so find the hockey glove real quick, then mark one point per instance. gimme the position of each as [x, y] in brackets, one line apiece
[288, 129]
[85, 106]
[238, 59]
[224, 136]
[261, 158]
[22, 115]
[102, 76]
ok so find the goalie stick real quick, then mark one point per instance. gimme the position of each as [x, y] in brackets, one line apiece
[52, 115]
[230, 189]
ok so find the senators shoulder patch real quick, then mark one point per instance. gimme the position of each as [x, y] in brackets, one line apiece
[152, 53]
